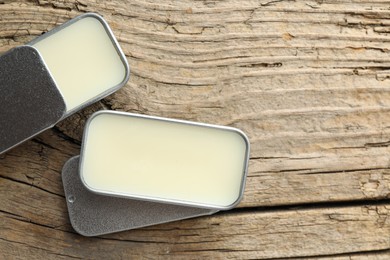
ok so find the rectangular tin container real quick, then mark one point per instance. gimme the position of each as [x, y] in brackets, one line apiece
[30, 100]
[159, 199]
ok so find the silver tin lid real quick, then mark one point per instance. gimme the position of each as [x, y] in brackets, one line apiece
[30, 101]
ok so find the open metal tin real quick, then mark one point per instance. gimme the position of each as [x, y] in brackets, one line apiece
[164, 160]
[92, 214]
[31, 99]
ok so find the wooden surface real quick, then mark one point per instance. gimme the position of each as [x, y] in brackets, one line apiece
[308, 81]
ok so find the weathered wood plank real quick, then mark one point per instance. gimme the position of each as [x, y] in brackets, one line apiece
[290, 233]
[307, 80]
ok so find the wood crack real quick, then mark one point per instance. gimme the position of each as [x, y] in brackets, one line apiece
[29, 221]
[340, 171]
[31, 185]
[273, 2]
[78, 6]
[350, 255]
[307, 206]
[65, 136]
[129, 240]
[42, 143]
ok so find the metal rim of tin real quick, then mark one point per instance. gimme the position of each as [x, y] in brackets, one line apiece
[115, 44]
[164, 200]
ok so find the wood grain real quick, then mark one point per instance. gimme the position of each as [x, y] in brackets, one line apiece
[308, 81]
[273, 234]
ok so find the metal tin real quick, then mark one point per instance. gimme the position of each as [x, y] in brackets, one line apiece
[115, 44]
[92, 214]
[30, 101]
[157, 199]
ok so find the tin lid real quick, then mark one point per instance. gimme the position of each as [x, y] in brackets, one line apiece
[30, 101]
[92, 214]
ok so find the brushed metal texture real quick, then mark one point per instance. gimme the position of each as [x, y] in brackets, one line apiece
[30, 102]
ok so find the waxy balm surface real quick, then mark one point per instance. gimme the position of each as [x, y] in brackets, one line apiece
[164, 160]
[84, 60]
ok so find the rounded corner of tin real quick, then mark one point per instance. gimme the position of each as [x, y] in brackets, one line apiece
[112, 38]
[77, 228]
[93, 116]
[236, 202]
[29, 47]
[96, 16]
[35, 51]
[70, 161]
[244, 137]
[92, 14]
[230, 206]
[86, 15]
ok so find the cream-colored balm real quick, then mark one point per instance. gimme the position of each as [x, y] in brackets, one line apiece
[164, 160]
[84, 60]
